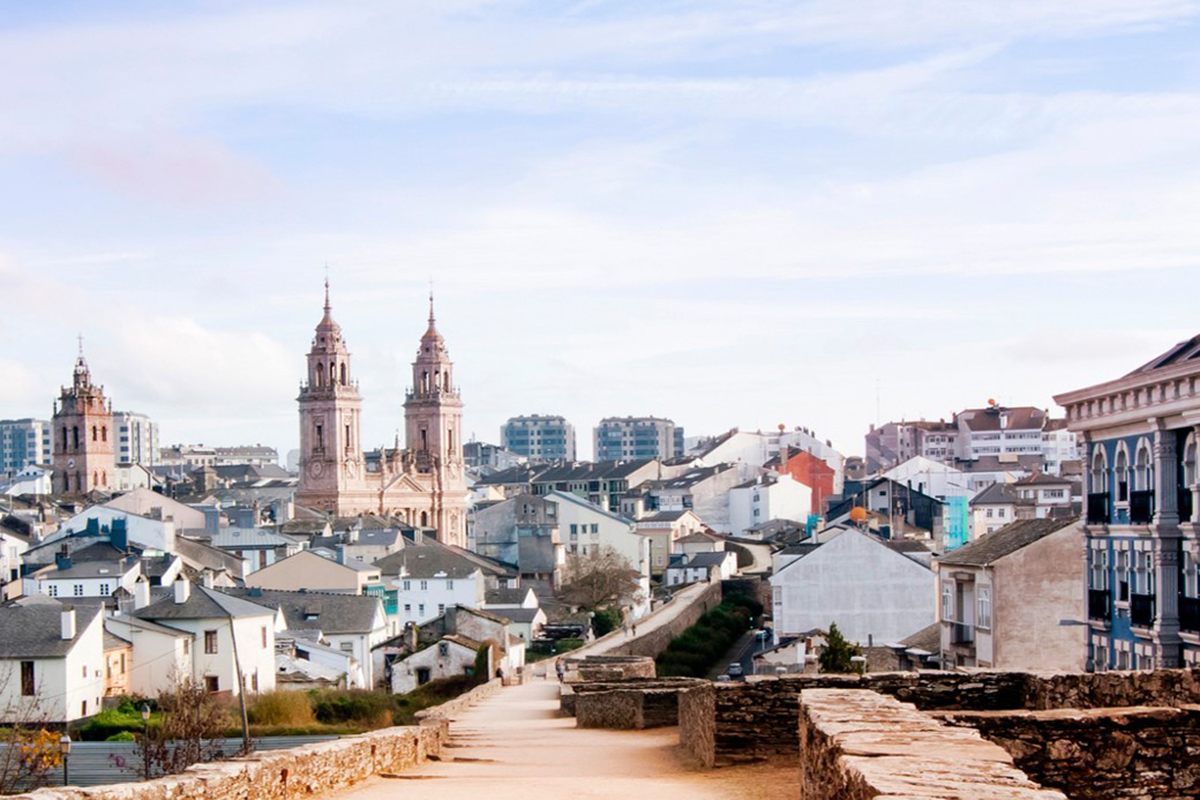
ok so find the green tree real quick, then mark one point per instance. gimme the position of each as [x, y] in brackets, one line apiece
[838, 652]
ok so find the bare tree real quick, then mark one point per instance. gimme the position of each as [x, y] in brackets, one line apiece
[193, 728]
[601, 579]
[29, 750]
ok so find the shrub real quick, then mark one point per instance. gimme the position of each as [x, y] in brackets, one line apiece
[110, 722]
[123, 736]
[695, 651]
[837, 653]
[567, 645]
[281, 707]
[357, 706]
[607, 621]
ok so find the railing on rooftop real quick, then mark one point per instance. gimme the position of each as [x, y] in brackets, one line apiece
[1098, 604]
[1141, 610]
[1098, 509]
[1141, 507]
[962, 633]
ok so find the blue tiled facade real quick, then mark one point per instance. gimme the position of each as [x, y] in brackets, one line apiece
[1140, 448]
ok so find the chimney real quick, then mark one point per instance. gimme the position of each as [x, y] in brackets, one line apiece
[183, 590]
[141, 593]
[68, 623]
[206, 578]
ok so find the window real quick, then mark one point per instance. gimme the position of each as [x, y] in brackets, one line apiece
[1000, 512]
[574, 529]
[77, 590]
[104, 592]
[441, 608]
[122, 663]
[595, 528]
[408, 586]
[408, 608]
[989, 513]
[83, 709]
[263, 631]
[450, 585]
[421, 609]
[984, 601]
[211, 684]
[187, 647]
[1121, 473]
[347, 647]
[28, 684]
[948, 602]
[210, 643]
[254, 682]
[424, 586]
[443, 649]
[52, 590]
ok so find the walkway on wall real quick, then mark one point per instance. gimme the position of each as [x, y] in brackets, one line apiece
[613, 643]
[513, 746]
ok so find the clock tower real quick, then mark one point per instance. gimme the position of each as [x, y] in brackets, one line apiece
[83, 436]
[332, 470]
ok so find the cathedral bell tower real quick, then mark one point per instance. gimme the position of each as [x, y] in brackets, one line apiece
[433, 426]
[83, 436]
[331, 460]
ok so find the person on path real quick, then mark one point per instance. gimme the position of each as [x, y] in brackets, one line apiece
[560, 670]
[635, 629]
[625, 628]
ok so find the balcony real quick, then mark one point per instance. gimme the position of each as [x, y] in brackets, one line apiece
[1141, 610]
[1189, 613]
[1141, 507]
[962, 633]
[1098, 509]
[1098, 604]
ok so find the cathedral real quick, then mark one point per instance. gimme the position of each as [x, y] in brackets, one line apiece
[83, 436]
[423, 483]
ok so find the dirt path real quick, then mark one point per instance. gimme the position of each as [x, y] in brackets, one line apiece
[512, 746]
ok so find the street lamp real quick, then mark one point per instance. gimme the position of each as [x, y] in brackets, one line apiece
[145, 741]
[64, 747]
[861, 661]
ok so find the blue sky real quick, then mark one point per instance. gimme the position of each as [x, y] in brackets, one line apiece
[730, 213]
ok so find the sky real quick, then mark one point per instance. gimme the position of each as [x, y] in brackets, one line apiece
[748, 213]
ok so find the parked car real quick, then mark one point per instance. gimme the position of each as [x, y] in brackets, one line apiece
[735, 669]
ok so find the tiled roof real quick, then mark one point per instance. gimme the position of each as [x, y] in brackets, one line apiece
[202, 603]
[427, 561]
[32, 627]
[1009, 539]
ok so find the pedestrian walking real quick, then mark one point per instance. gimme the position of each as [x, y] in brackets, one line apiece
[635, 629]
[625, 628]
[560, 670]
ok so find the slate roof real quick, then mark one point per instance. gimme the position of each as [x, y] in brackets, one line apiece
[996, 494]
[520, 615]
[114, 642]
[693, 477]
[988, 419]
[426, 561]
[1042, 479]
[905, 545]
[203, 603]
[928, 639]
[665, 516]
[89, 569]
[1009, 539]
[801, 550]
[32, 627]
[243, 538]
[506, 596]
[708, 559]
[1184, 351]
[325, 611]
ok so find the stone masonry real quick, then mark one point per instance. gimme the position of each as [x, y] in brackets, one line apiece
[1137, 753]
[859, 744]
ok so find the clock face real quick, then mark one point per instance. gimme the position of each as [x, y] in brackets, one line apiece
[316, 468]
[70, 463]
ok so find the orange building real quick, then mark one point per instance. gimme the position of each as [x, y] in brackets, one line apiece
[805, 468]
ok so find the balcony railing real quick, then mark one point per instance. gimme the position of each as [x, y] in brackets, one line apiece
[1189, 613]
[1141, 610]
[1098, 512]
[1185, 504]
[962, 633]
[1141, 507]
[1098, 604]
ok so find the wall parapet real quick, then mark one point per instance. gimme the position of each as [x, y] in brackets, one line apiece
[857, 744]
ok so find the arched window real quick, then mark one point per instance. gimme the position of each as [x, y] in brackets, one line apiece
[104, 479]
[63, 445]
[424, 519]
[1121, 473]
[425, 383]
[95, 478]
[75, 436]
[104, 433]
[343, 374]
[1144, 468]
[95, 434]
[1099, 470]
[332, 373]
[78, 481]
[446, 380]
[319, 375]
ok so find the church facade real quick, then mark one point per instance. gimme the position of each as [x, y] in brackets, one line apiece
[83, 436]
[424, 482]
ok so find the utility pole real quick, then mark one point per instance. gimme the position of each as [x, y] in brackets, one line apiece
[237, 666]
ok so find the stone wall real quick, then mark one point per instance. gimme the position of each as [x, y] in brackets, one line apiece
[652, 642]
[300, 772]
[628, 705]
[1136, 753]
[755, 719]
[697, 725]
[859, 744]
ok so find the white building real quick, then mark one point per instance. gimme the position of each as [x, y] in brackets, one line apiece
[932, 478]
[137, 439]
[214, 620]
[430, 578]
[24, 443]
[71, 577]
[690, 568]
[51, 661]
[156, 535]
[767, 497]
[161, 655]
[877, 591]
[33, 480]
